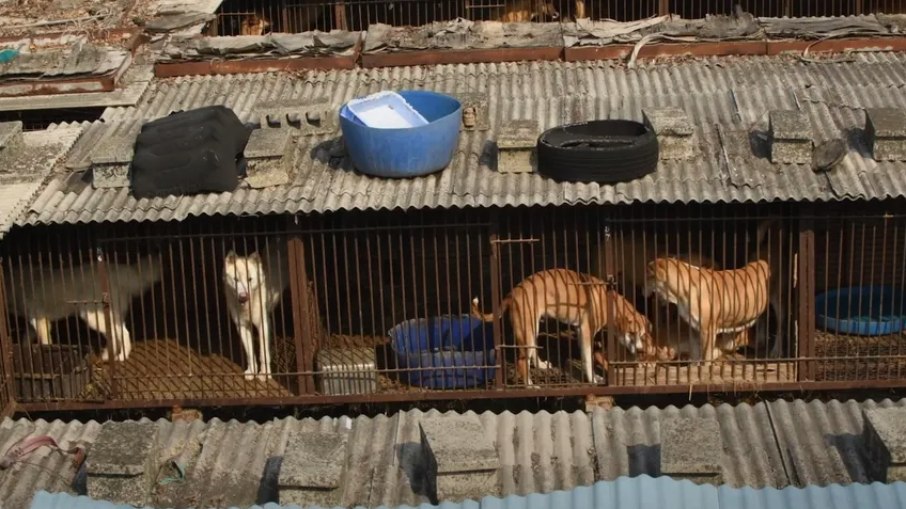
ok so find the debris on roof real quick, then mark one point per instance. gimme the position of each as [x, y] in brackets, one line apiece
[461, 34]
[308, 44]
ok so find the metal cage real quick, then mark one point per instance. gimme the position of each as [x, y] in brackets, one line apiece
[361, 307]
[257, 17]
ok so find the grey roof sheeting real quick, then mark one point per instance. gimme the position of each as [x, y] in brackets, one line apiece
[734, 93]
[538, 453]
[642, 492]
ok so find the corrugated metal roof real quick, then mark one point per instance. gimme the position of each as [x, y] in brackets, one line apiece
[775, 444]
[734, 93]
[642, 492]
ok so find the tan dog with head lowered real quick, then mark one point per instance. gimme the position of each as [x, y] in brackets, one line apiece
[253, 24]
[712, 302]
[570, 297]
[529, 10]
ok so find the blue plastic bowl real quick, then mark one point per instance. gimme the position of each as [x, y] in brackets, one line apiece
[861, 311]
[406, 152]
[444, 352]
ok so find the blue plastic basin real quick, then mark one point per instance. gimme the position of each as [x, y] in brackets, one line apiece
[444, 352]
[861, 311]
[406, 152]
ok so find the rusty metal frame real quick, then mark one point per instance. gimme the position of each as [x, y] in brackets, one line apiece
[303, 335]
[7, 392]
[466, 56]
[496, 298]
[104, 282]
[805, 276]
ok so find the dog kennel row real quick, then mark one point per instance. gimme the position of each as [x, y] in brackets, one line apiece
[258, 17]
[371, 306]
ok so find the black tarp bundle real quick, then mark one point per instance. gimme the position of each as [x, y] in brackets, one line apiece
[188, 152]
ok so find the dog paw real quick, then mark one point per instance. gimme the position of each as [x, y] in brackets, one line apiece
[598, 379]
[543, 364]
[250, 375]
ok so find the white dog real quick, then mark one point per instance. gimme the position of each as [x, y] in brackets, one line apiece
[46, 294]
[253, 288]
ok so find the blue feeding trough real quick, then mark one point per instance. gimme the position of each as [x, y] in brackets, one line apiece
[444, 352]
[862, 310]
[417, 149]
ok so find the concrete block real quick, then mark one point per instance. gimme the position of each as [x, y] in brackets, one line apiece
[676, 134]
[886, 131]
[885, 442]
[474, 110]
[121, 464]
[10, 134]
[310, 116]
[467, 461]
[271, 157]
[791, 137]
[516, 146]
[692, 448]
[312, 469]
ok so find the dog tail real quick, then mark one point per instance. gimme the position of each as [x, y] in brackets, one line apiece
[488, 317]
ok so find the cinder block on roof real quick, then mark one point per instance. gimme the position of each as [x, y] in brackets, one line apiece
[885, 441]
[270, 155]
[312, 116]
[312, 469]
[886, 131]
[516, 145]
[10, 134]
[692, 448]
[466, 459]
[790, 136]
[121, 464]
[675, 133]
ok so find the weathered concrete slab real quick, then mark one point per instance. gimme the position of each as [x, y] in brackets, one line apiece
[676, 134]
[271, 157]
[312, 469]
[516, 144]
[311, 116]
[121, 464]
[466, 460]
[886, 131]
[10, 134]
[884, 434]
[692, 448]
[791, 137]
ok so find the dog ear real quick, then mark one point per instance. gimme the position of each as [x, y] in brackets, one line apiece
[231, 256]
[254, 257]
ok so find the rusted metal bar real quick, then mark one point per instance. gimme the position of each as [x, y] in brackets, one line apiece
[303, 336]
[496, 297]
[112, 336]
[607, 244]
[7, 395]
[465, 395]
[806, 294]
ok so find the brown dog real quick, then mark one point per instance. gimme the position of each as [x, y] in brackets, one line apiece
[253, 24]
[573, 298]
[770, 246]
[676, 340]
[529, 10]
[712, 302]
[631, 257]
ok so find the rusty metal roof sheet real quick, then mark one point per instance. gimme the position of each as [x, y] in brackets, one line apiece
[767, 445]
[734, 94]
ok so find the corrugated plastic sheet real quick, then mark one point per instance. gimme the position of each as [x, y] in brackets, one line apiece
[538, 453]
[733, 93]
[643, 492]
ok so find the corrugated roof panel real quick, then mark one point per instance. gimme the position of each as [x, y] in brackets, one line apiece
[735, 93]
[775, 445]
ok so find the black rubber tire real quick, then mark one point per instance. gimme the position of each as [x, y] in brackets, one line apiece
[603, 151]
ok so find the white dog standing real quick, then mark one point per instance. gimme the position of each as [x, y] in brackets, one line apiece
[254, 286]
[44, 295]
